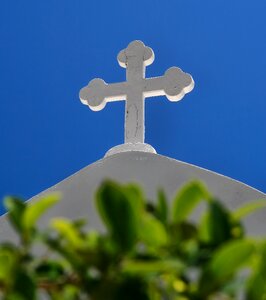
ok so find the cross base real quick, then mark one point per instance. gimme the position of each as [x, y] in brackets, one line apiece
[142, 147]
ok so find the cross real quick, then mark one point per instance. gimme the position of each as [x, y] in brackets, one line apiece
[174, 84]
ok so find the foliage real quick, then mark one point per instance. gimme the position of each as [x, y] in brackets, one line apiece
[149, 251]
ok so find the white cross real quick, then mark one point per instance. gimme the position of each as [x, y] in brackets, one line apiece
[174, 84]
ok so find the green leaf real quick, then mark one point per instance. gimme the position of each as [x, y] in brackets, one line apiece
[204, 229]
[215, 227]
[8, 262]
[262, 254]
[135, 196]
[130, 288]
[157, 266]
[187, 198]
[181, 232]
[70, 292]
[24, 285]
[120, 208]
[16, 208]
[93, 238]
[49, 270]
[152, 231]
[230, 257]
[256, 287]
[35, 210]
[224, 265]
[162, 207]
[248, 208]
[68, 231]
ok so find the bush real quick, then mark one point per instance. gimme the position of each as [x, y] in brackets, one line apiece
[149, 250]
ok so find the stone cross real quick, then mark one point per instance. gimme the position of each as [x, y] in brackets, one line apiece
[174, 84]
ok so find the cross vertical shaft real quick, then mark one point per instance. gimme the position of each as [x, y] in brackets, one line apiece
[134, 115]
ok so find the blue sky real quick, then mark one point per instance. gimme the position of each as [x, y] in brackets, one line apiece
[50, 49]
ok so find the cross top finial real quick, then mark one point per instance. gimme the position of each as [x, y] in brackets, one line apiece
[174, 84]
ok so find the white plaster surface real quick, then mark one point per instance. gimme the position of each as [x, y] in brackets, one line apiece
[150, 171]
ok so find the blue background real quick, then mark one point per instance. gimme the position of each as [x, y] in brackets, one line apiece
[50, 49]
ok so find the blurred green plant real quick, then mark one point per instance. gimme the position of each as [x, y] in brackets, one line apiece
[149, 251]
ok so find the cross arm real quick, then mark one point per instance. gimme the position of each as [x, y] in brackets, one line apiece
[97, 93]
[174, 84]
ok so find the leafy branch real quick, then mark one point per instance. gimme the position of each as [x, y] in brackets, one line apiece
[149, 251]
